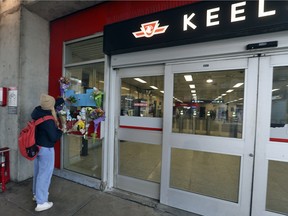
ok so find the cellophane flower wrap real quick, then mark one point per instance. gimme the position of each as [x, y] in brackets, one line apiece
[63, 119]
[96, 115]
[65, 83]
[97, 97]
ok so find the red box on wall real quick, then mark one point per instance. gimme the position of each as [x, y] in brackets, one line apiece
[3, 96]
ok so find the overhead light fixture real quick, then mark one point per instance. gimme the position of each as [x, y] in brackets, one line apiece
[178, 100]
[140, 80]
[209, 80]
[275, 90]
[230, 90]
[223, 94]
[193, 91]
[124, 88]
[153, 87]
[188, 78]
[162, 92]
[75, 80]
[238, 85]
[192, 86]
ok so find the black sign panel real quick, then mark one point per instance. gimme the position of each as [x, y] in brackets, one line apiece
[198, 22]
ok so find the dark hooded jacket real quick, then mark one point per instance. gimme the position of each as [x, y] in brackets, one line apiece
[47, 133]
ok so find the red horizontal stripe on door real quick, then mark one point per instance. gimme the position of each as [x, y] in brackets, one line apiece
[140, 128]
[278, 140]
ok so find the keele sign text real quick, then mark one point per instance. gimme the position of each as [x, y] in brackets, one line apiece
[198, 22]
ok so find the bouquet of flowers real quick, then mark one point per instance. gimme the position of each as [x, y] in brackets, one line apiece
[78, 125]
[65, 83]
[96, 115]
[63, 119]
[97, 97]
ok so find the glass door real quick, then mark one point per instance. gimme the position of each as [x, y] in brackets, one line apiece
[138, 140]
[208, 136]
[270, 195]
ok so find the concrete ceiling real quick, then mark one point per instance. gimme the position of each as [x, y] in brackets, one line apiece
[54, 9]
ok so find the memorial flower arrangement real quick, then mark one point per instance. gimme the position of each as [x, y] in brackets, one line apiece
[84, 122]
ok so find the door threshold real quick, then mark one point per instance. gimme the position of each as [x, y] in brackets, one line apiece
[78, 178]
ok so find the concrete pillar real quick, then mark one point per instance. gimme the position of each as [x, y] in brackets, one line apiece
[9, 72]
[24, 58]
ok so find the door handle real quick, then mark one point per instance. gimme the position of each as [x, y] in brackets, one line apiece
[251, 155]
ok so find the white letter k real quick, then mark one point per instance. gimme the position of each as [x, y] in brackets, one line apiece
[187, 22]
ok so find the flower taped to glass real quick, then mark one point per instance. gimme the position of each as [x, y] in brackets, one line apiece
[96, 125]
[63, 120]
[65, 83]
[97, 96]
[95, 116]
[79, 125]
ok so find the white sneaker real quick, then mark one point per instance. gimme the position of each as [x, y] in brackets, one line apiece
[44, 206]
[34, 197]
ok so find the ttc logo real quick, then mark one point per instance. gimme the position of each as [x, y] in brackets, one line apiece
[150, 29]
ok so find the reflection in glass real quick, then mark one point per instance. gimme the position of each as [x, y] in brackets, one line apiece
[82, 156]
[277, 193]
[279, 111]
[140, 160]
[86, 50]
[209, 103]
[86, 77]
[142, 97]
[209, 174]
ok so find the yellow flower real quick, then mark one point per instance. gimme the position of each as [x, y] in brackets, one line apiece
[80, 124]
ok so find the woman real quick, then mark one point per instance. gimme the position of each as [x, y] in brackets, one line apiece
[46, 135]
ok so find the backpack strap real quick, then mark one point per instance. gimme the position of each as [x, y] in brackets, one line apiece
[44, 118]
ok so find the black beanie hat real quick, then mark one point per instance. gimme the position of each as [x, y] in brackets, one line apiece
[59, 101]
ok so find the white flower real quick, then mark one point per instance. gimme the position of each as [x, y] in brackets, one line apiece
[62, 112]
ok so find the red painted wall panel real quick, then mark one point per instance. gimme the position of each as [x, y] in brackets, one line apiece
[88, 22]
